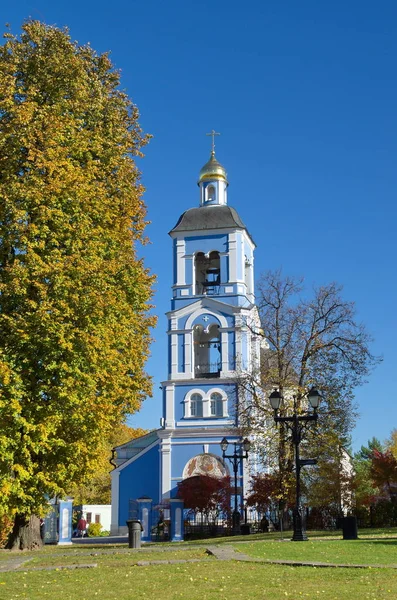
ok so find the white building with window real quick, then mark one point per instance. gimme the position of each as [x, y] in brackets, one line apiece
[96, 513]
[211, 341]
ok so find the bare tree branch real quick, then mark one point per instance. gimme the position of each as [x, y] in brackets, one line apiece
[310, 341]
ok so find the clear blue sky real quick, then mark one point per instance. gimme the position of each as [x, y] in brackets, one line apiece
[304, 95]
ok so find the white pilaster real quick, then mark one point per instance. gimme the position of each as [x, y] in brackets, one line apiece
[165, 468]
[174, 354]
[241, 256]
[232, 257]
[169, 406]
[225, 351]
[180, 262]
[238, 342]
[188, 355]
[114, 522]
[192, 285]
[252, 295]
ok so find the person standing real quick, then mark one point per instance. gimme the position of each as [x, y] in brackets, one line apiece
[82, 526]
[42, 528]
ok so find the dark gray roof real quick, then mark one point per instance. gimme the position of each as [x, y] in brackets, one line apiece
[218, 216]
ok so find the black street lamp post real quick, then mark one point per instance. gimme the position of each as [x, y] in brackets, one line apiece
[297, 425]
[235, 459]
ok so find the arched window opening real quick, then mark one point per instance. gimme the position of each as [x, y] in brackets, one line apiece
[210, 193]
[196, 405]
[207, 351]
[208, 273]
[216, 405]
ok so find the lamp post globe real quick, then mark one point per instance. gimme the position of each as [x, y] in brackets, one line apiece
[246, 445]
[314, 398]
[224, 444]
[275, 399]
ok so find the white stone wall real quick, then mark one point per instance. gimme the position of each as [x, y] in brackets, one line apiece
[104, 512]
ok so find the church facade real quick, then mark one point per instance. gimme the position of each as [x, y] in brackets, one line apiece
[211, 342]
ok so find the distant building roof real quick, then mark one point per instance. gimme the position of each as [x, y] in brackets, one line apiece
[133, 447]
[209, 217]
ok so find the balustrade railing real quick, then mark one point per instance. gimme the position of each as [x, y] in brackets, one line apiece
[208, 371]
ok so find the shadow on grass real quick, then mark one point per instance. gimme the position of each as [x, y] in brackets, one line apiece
[385, 541]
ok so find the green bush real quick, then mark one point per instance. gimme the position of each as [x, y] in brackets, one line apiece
[94, 529]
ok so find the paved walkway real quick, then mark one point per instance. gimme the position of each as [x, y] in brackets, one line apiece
[229, 553]
[16, 563]
[13, 563]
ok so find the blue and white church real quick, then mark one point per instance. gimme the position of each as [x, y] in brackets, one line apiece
[211, 342]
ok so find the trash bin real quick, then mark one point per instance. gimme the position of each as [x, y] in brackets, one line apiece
[349, 528]
[245, 529]
[134, 533]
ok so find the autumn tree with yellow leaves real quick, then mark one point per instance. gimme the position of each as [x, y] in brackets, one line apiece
[74, 312]
[97, 489]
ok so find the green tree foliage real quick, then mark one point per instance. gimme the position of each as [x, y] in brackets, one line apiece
[97, 488]
[366, 452]
[365, 491]
[329, 485]
[375, 483]
[74, 322]
[309, 339]
[392, 443]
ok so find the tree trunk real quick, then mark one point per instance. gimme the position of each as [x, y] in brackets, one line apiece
[25, 534]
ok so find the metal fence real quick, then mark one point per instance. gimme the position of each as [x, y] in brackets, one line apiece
[133, 510]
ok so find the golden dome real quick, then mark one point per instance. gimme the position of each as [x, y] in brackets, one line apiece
[212, 170]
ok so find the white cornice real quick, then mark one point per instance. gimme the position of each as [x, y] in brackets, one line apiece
[184, 235]
[204, 302]
[212, 422]
[210, 432]
[230, 380]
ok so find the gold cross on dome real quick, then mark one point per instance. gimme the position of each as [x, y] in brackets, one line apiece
[213, 133]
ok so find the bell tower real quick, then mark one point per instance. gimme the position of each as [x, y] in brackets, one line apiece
[211, 327]
[212, 340]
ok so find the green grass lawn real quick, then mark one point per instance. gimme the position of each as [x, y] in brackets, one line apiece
[203, 581]
[287, 535]
[118, 577]
[114, 558]
[363, 551]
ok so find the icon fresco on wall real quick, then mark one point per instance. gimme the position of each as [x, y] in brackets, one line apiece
[205, 464]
